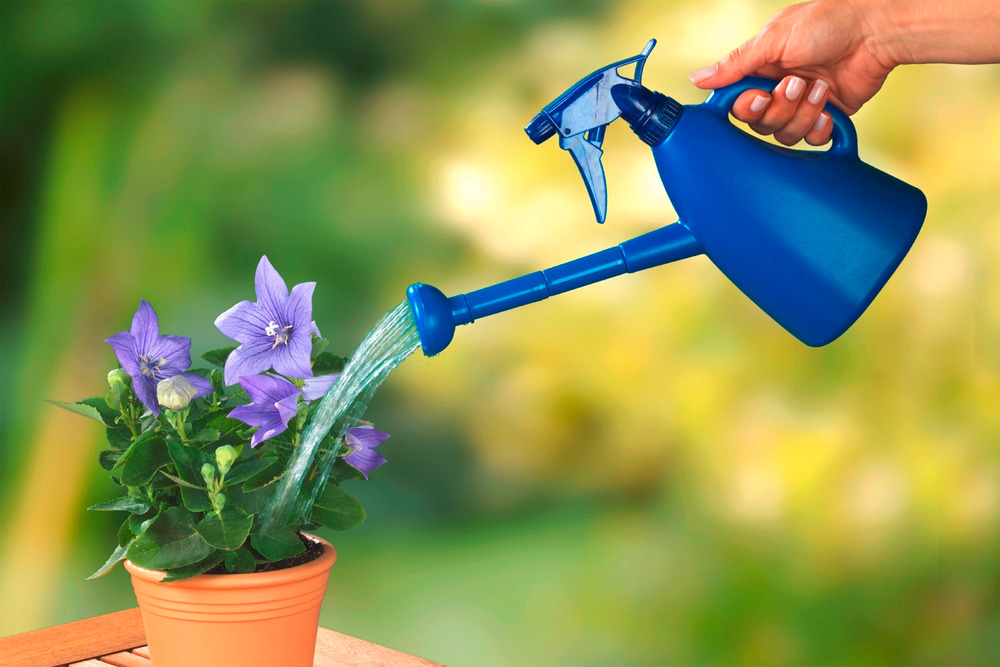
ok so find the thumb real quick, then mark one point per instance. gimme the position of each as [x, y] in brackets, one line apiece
[741, 61]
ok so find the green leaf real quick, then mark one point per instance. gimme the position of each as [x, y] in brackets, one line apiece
[108, 413]
[228, 531]
[337, 509]
[244, 471]
[108, 459]
[118, 395]
[278, 544]
[218, 357]
[205, 435]
[138, 523]
[171, 541]
[143, 437]
[342, 472]
[251, 502]
[188, 571]
[221, 422]
[125, 504]
[318, 345]
[125, 534]
[116, 556]
[181, 482]
[195, 500]
[81, 409]
[327, 363]
[188, 462]
[119, 437]
[143, 462]
[272, 473]
[240, 561]
[218, 383]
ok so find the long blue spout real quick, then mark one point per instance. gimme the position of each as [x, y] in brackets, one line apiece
[437, 315]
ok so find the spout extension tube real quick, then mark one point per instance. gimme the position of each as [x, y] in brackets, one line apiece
[437, 315]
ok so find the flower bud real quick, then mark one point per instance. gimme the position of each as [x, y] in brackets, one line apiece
[208, 473]
[175, 392]
[225, 456]
[220, 501]
[119, 377]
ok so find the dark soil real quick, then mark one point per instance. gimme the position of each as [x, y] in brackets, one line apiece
[312, 552]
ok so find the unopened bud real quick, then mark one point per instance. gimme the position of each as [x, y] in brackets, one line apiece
[225, 456]
[175, 392]
[119, 377]
[208, 473]
[220, 501]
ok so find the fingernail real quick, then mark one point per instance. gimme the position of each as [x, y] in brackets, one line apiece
[794, 88]
[821, 122]
[703, 74]
[759, 103]
[819, 89]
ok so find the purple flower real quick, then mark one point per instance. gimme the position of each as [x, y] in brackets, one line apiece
[275, 402]
[315, 387]
[361, 442]
[149, 357]
[274, 332]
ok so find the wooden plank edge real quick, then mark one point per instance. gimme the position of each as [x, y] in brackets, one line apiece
[72, 642]
[337, 650]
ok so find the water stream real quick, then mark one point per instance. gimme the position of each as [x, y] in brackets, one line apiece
[385, 346]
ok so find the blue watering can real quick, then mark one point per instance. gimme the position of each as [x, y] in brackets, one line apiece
[810, 236]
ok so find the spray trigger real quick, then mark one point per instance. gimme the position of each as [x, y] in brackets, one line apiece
[580, 116]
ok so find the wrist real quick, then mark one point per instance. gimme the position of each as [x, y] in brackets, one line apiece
[905, 32]
[887, 27]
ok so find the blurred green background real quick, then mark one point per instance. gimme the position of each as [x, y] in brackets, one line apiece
[647, 471]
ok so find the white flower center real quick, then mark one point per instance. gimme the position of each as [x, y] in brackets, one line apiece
[281, 334]
[150, 367]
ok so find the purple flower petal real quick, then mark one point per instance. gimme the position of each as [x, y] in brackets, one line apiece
[176, 350]
[124, 346]
[293, 359]
[246, 360]
[315, 387]
[275, 402]
[145, 389]
[314, 330]
[243, 322]
[253, 414]
[270, 287]
[145, 327]
[267, 388]
[287, 407]
[365, 436]
[266, 431]
[364, 460]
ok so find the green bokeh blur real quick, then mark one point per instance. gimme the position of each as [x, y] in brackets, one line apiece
[647, 471]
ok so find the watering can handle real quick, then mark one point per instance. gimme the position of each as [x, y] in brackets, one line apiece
[845, 137]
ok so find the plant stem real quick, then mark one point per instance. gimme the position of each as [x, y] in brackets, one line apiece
[179, 425]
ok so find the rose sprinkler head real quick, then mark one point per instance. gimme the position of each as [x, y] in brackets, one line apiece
[432, 312]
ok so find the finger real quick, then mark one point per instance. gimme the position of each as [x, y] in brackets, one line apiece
[750, 106]
[820, 132]
[784, 101]
[741, 61]
[806, 114]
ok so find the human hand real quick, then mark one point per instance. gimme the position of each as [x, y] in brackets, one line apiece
[826, 50]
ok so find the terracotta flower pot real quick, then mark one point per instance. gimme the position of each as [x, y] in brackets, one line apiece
[263, 618]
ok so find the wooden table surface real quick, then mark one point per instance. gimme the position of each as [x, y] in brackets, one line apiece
[118, 639]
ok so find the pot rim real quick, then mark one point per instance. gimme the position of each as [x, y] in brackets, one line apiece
[259, 579]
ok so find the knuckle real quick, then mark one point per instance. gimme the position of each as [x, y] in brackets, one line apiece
[787, 138]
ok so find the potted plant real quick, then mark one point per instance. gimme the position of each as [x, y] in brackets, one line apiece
[198, 454]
